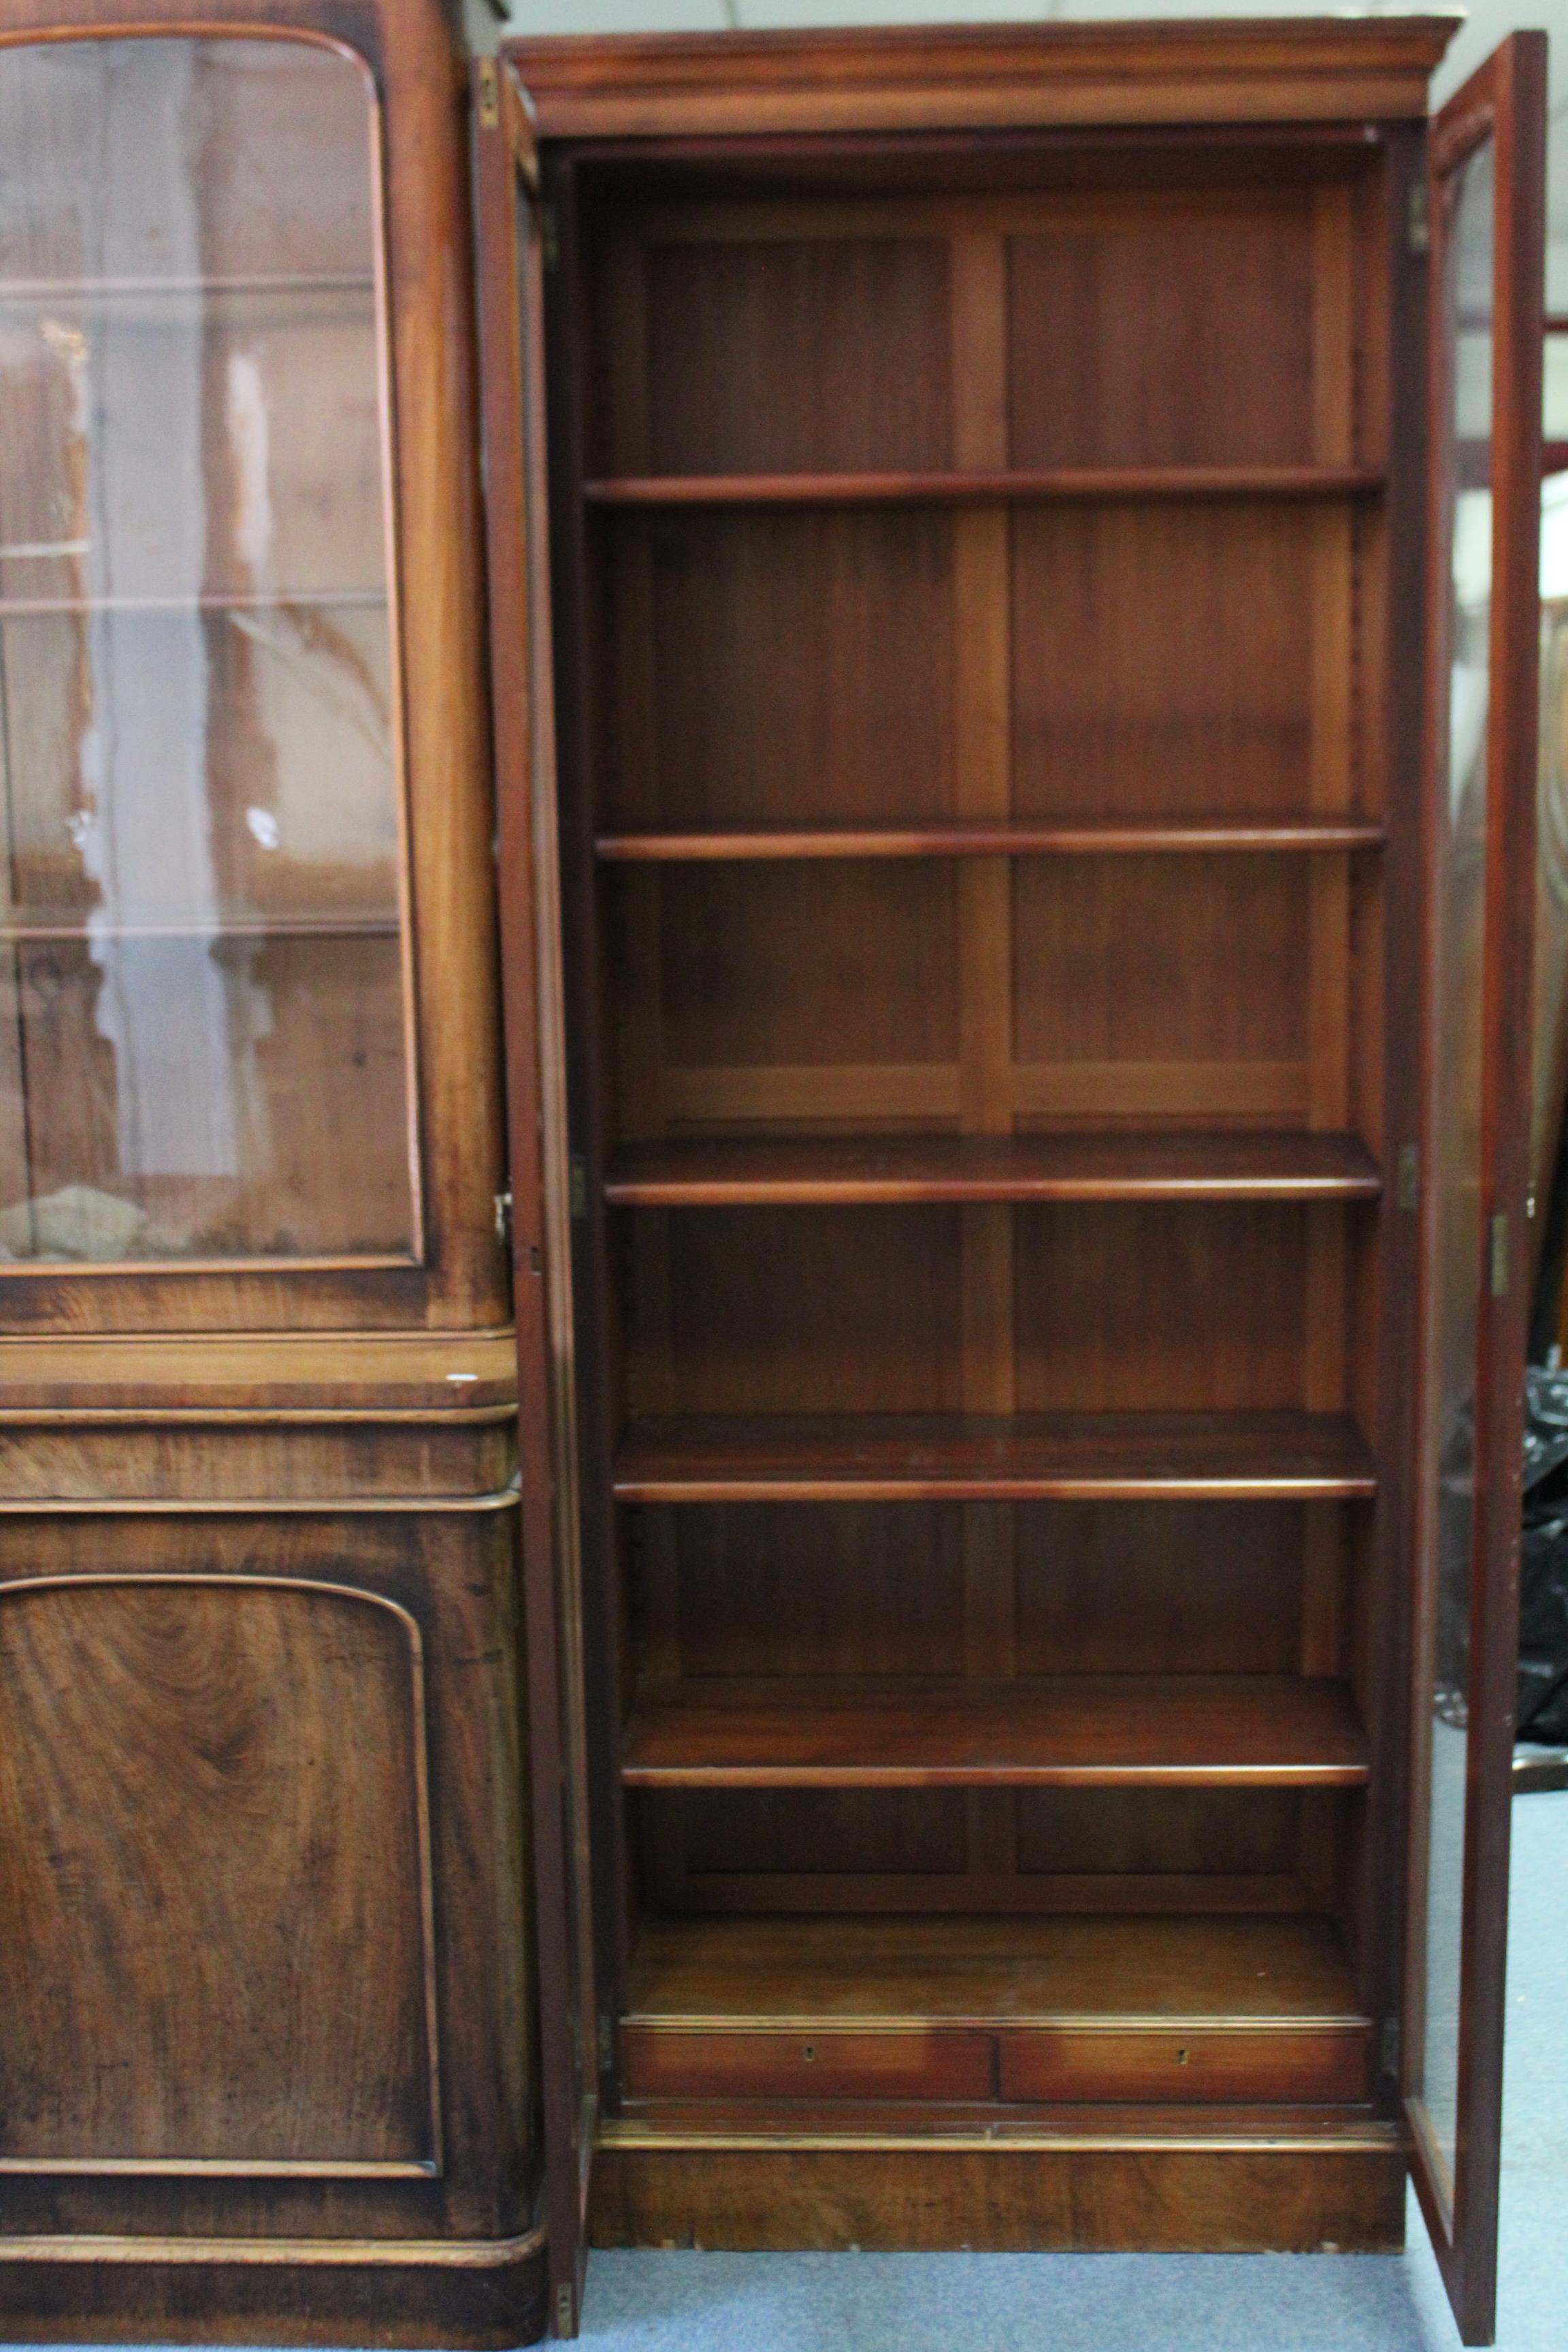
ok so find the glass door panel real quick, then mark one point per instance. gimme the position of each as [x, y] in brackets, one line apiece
[1481, 784]
[207, 1049]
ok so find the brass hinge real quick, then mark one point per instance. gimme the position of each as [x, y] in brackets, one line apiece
[1419, 217]
[503, 1217]
[1388, 2047]
[1500, 1256]
[1408, 1189]
[577, 1184]
[607, 2043]
[549, 236]
[565, 2309]
[490, 95]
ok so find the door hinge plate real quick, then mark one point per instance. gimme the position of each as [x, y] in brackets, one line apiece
[490, 95]
[1500, 1256]
[503, 1217]
[565, 2309]
[607, 2044]
[1388, 2047]
[549, 236]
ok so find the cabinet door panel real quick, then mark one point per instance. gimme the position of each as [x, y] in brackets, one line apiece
[1488, 152]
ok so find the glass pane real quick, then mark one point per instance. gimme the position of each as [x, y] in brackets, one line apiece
[1456, 1137]
[202, 942]
[1554, 405]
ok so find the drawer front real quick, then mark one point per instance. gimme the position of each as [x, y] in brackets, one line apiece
[1309, 2062]
[803, 2063]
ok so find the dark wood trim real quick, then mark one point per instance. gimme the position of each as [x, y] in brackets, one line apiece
[1197, 837]
[1114, 1166]
[425, 2294]
[568, 363]
[1100, 485]
[991, 76]
[510, 325]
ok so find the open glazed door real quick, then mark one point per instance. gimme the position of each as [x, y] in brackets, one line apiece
[512, 311]
[1488, 152]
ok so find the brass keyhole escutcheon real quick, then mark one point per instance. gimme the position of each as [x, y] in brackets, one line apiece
[1181, 2057]
[810, 2050]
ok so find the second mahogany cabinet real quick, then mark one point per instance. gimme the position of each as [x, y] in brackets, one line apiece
[1013, 623]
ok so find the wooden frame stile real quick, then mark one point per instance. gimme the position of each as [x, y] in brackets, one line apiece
[1505, 101]
[506, 179]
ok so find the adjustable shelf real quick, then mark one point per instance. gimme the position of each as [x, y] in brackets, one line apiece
[259, 926]
[788, 1172]
[216, 600]
[24, 291]
[935, 1458]
[982, 487]
[1021, 838]
[1081, 1731]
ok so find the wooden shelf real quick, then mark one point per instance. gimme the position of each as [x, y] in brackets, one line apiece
[1081, 1731]
[985, 489]
[711, 1970]
[32, 608]
[1021, 838]
[788, 1172]
[936, 1457]
[28, 290]
[258, 927]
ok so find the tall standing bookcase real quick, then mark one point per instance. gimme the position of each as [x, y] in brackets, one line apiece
[960, 559]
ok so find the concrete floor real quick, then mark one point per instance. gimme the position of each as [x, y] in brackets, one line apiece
[1168, 2302]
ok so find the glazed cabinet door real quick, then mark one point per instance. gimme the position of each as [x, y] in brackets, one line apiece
[228, 432]
[1487, 200]
[511, 309]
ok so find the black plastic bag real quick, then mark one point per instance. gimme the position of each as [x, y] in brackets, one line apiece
[1544, 1564]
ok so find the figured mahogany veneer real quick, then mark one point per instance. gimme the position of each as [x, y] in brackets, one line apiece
[951, 1457]
[785, 1171]
[1080, 1731]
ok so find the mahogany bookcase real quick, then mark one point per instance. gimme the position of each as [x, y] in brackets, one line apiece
[1012, 638]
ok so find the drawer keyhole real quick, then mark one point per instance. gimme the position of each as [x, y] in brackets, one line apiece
[1181, 2057]
[810, 2050]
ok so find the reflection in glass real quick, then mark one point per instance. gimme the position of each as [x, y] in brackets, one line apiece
[1457, 1135]
[202, 993]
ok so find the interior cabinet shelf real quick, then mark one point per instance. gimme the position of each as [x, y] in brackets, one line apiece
[27, 290]
[1016, 838]
[216, 600]
[1083, 1731]
[259, 926]
[789, 1172]
[982, 487]
[709, 1971]
[914, 1457]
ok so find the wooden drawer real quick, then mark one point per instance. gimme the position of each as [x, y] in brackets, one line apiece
[801, 2063]
[1178, 2063]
